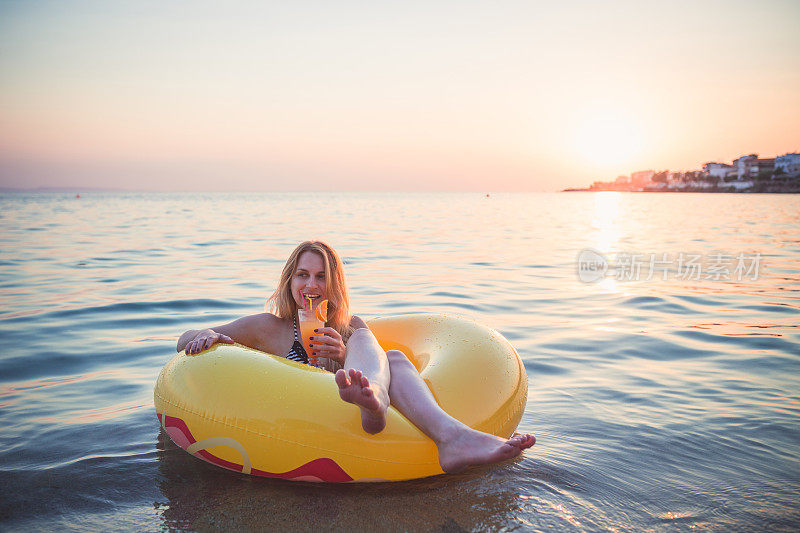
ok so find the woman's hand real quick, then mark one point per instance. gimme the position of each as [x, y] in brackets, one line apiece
[328, 343]
[205, 340]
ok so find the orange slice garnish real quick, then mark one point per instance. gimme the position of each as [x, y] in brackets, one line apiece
[322, 311]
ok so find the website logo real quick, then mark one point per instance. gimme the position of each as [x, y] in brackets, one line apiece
[592, 266]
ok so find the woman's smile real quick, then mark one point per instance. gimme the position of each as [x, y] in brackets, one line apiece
[309, 281]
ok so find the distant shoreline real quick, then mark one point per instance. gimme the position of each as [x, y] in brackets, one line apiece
[722, 190]
[683, 192]
[62, 189]
[90, 190]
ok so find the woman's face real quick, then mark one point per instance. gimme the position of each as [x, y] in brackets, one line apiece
[309, 279]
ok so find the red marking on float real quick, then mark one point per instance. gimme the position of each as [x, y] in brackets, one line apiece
[322, 469]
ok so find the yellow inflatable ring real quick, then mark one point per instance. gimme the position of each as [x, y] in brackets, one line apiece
[265, 415]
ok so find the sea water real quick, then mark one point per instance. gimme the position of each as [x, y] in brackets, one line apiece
[664, 396]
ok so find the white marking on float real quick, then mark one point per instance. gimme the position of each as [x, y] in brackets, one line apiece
[222, 441]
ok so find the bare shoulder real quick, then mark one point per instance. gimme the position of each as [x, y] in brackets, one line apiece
[267, 322]
[267, 326]
[356, 322]
[256, 323]
[259, 331]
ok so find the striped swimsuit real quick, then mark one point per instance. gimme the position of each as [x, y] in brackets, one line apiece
[297, 352]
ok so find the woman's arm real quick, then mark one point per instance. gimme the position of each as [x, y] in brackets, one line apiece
[191, 335]
[328, 343]
[251, 331]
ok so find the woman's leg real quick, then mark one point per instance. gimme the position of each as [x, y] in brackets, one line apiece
[395, 377]
[367, 387]
[459, 445]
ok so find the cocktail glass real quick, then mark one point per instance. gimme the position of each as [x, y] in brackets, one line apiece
[308, 323]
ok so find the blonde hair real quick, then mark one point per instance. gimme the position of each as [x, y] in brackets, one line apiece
[282, 303]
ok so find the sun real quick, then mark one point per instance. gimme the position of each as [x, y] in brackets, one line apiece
[607, 139]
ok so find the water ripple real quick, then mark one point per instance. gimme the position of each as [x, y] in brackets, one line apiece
[657, 404]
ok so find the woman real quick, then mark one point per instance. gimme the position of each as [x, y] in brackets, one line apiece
[374, 379]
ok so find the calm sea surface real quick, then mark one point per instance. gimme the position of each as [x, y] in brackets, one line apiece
[667, 402]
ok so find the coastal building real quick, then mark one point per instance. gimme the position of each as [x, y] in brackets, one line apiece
[788, 164]
[750, 166]
[762, 168]
[748, 173]
[720, 171]
[743, 166]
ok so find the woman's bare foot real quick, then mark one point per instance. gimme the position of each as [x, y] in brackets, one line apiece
[469, 447]
[356, 389]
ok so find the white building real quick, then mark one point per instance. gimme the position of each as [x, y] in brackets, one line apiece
[719, 170]
[788, 163]
[743, 166]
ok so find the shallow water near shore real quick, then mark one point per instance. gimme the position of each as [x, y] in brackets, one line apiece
[667, 402]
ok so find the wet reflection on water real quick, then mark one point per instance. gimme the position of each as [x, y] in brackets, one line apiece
[200, 496]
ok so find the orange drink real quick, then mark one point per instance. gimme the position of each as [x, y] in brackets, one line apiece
[308, 323]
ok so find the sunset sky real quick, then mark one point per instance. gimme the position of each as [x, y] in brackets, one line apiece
[299, 96]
